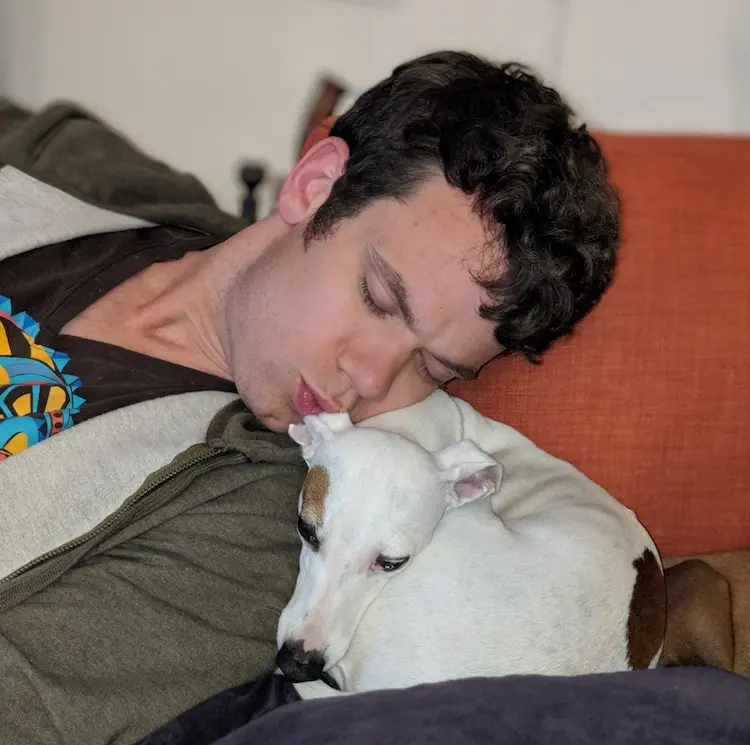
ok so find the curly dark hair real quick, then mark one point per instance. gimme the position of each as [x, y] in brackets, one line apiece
[538, 180]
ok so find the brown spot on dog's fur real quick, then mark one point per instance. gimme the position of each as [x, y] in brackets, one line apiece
[314, 492]
[648, 611]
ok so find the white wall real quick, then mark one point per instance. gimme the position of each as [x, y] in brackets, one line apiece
[203, 84]
[681, 65]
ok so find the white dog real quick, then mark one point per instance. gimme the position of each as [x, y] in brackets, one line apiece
[551, 575]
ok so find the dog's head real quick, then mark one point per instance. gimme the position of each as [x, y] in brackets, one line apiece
[371, 502]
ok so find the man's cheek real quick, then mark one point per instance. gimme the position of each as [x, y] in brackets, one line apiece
[401, 395]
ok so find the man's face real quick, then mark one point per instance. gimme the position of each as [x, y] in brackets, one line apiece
[371, 319]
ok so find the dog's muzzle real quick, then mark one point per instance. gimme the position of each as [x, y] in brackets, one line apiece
[298, 665]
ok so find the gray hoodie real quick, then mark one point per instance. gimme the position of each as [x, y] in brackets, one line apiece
[143, 564]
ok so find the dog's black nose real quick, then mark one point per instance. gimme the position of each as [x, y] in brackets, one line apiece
[299, 665]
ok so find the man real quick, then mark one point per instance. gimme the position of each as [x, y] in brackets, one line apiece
[455, 213]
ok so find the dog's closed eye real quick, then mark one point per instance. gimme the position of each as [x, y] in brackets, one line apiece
[307, 533]
[390, 565]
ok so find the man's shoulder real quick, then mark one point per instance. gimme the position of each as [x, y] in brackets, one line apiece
[33, 214]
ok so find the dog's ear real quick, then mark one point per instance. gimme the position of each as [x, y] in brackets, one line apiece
[468, 472]
[316, 429]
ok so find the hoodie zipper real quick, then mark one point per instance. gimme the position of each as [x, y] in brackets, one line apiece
[138, 504]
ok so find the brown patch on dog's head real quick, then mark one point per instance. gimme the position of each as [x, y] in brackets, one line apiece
[699, 617]
[314, 492]
[648, 611]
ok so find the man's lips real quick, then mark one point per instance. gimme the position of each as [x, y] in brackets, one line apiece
[309, 403]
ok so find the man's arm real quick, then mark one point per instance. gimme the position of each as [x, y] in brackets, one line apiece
[130, 638]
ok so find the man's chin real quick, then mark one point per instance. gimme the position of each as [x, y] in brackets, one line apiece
[274, 422]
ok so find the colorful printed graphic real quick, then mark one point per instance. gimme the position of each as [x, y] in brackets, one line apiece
[37, 400]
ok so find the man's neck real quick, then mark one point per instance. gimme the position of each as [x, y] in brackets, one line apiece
[174, 310]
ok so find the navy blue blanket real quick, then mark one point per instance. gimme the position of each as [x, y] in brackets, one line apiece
[674, 706]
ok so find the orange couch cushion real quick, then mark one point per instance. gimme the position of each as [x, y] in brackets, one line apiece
[651, 396]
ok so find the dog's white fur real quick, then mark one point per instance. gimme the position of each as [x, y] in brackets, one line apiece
[536, 579]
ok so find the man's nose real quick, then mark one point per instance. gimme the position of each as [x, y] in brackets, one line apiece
[299, 665]
[373, 371]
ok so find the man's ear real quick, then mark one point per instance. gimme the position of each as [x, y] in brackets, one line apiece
[468, 472]
[317, 429]
[310, 181]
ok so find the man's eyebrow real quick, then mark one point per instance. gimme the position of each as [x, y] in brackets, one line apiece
[395, 284]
